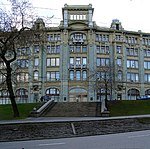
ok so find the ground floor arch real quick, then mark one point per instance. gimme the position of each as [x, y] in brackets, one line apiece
[78, 95]
[133, 94]
[4, 97]
[21, 95]
[53, 93]
[147, 92]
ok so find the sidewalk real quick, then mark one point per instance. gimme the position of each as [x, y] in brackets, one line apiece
[67, 119]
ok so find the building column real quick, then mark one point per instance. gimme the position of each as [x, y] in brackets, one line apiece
[64, 61]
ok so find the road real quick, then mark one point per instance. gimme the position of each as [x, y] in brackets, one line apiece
[131, 140]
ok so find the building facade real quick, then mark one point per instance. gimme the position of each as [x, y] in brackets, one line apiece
[70, 63]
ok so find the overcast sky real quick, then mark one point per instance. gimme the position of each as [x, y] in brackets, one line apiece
[134, 14]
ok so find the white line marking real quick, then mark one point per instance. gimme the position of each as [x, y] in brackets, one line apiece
[51, 144]
[138, 136]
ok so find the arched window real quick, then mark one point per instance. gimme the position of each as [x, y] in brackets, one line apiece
[133, 93]
[53, 93]
[84, 75]
[21, 95]
[78, 75]
[2, 78]
[119, 75]
[147, 92]
[4, 97]
[71, 75]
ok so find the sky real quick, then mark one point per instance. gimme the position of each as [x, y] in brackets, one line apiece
[133, 14]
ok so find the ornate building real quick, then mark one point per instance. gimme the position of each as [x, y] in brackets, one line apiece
[79, 61]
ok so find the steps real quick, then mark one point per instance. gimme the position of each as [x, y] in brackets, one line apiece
[74, 109]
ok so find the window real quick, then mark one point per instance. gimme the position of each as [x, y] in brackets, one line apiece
[71, 48]
[59, 37]
[23, 51]
[78, 75]
[118, 37]
[97, 37]
[71, 60]
[132, 77]
[78, 17]
[119, 61]
[55, 37]
[98, 62]
[36, 62]
[102, 49]
[57, 61]
[36, 75]
[101, 37]
[118, 49]
[84, 75]
[2, 78]
[48, 62]
[98, 49]
[48, 49]
[146, 64]
[52, 49]
[52, 75]
[132, 64]
[147, 78]
[84, 60]
[57, 49]
[146, 52]
[102, 61]
[36, 49]
[78, 48]
[50, 37]
[71, 75]
[52, 91]
[84, 49]
[22, 77]
[78, 60]
[23, 63]
[119, 75]
[52, 62]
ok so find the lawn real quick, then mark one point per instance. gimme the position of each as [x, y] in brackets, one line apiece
[6, 112]
[129, 107]
[116, 108]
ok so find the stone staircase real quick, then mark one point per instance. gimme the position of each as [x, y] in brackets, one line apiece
[74, 109]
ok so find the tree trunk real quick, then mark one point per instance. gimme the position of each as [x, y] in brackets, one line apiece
[10, 90]
[106, 100]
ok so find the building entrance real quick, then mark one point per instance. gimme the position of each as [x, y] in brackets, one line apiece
[78, 95]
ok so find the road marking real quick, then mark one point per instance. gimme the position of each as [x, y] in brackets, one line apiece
[52, 144]
[138, 136]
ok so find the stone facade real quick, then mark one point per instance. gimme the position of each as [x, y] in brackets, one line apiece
[78, 61]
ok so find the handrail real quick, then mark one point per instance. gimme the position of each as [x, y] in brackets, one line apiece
[42, 109]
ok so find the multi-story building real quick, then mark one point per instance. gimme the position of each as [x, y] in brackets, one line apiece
[67, 62]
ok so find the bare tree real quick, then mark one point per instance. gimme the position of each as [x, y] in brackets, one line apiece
[104, 81]
[12, 25]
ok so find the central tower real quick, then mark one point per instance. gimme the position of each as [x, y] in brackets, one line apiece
[77, 13]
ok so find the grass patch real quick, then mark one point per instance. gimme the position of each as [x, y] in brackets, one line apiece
[129, 107]
[6, 112]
